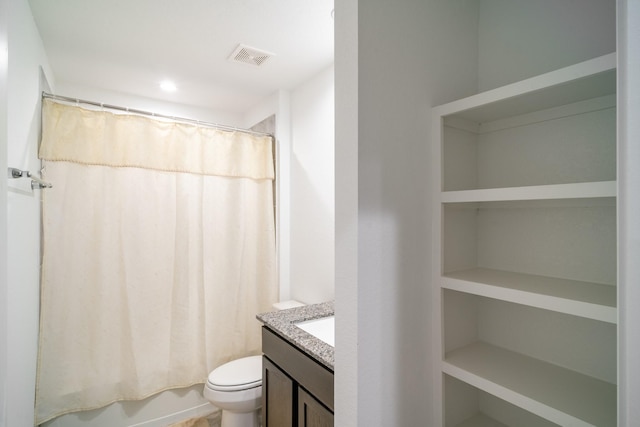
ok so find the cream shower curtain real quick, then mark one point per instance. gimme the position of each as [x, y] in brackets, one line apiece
[159, 250]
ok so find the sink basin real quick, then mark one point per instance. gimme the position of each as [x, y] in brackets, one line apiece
[323, 329]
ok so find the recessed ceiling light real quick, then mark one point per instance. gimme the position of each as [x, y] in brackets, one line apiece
[168, 86]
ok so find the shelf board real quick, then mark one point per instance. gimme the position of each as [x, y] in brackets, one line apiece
[590, 79]
[554, 393]
[585, 299]
[582, 190]
[481, 420]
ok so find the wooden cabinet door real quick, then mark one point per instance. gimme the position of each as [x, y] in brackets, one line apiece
[312, 413]
[277, 396]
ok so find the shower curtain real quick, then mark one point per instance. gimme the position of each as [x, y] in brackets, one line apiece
[158, 251]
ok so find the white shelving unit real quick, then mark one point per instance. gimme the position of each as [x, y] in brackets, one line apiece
[496, 412]
[525, 254]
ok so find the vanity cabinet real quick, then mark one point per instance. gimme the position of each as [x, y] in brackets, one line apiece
[277, 395]
[525, 238]
[297, 391]
[312, 413]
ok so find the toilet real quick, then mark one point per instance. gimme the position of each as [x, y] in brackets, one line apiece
[236, 388]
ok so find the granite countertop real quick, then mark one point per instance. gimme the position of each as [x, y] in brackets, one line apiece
[282, 323]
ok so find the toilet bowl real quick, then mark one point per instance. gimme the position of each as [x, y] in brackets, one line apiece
[236, 389]
[236, 386]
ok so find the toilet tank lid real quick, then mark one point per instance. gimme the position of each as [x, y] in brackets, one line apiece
[247, 370]
[283, 305]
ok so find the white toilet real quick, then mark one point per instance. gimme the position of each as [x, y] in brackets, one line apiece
[236, 388]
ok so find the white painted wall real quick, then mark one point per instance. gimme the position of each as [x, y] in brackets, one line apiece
[26, 56]
[629, 209]
[305, 186]
[146, 104]
[279, 105]
[348, 400]
[4, 21]
[521, 39]
[312, 190]
[404, 57]
[283, 192]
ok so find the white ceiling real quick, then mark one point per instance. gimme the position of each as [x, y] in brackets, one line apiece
[129, 46]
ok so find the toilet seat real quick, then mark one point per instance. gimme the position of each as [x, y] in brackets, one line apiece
[240, 374]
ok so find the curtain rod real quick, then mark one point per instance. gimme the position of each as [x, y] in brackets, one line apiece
[151, 114]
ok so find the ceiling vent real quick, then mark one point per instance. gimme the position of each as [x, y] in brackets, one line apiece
[249, 55]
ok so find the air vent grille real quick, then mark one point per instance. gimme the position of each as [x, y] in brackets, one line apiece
[250, 55]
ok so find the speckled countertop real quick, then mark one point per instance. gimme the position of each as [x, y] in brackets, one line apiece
[282, 323]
